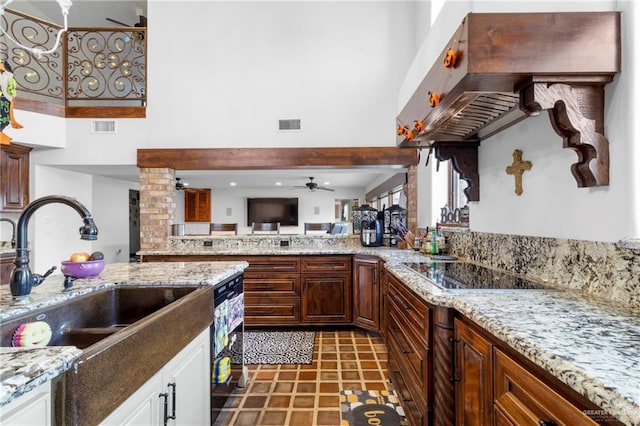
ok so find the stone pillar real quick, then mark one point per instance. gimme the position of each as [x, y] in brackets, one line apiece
[157, 207]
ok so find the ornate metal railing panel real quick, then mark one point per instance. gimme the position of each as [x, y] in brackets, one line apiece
[101, 67]
[39, 78]
[105, 64]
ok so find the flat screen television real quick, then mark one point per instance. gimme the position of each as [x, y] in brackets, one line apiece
[283, 210]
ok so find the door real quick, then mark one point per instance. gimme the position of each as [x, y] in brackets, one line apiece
[326, 299]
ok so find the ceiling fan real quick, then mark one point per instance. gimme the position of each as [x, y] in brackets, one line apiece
[142, 23]
[312, 186]
[180, 185]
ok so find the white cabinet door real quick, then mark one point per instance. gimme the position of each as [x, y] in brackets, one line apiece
[190, 372]
[32, 408]
[140, 409]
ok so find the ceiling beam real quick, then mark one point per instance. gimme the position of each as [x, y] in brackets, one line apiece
[274, 158]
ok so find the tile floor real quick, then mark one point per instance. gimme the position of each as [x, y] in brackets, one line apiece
[306, 395]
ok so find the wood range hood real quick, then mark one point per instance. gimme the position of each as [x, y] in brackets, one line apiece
[500, 68]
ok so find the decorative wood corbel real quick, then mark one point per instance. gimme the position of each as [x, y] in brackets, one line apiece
[464, 158]
[576, 111]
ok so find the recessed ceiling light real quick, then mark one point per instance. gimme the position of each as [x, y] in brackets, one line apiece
[327, 183]
[278, 183]
[232, 183]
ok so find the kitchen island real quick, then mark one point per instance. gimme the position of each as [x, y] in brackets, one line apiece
[587, 343]
[25, 369]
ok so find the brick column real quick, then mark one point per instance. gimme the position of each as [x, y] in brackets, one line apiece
[157, 207]
[411, 189]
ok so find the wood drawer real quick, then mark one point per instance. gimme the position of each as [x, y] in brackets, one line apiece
[412, 358]
[310, 264]
[260, 311]
[414, 310]
[260, 285]
[272, 264]
[415, 414]
[522, 399]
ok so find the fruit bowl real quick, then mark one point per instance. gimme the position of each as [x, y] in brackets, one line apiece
[86, 269]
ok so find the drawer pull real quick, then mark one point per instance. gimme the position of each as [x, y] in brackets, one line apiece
[398, 375]
[401, 301]
[263, 287]
[547, 423]
[401, 343]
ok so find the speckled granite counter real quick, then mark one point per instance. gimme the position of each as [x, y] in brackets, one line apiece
[24, 369]
[591, 344]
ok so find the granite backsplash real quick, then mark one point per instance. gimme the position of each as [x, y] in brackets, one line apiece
[605, 270]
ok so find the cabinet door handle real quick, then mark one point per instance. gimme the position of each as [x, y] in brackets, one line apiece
[165, 397]
[173, 400]
[453, 343]
[547, 423]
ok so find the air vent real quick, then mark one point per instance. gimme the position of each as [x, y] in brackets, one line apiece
[289, 125]
[103, 126]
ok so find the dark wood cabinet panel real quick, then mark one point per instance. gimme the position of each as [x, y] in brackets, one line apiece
[522, 399]
[261, 310]
[366, 292]
[14, 177]
[323, 264]
[326, 298]
[473, 387]
[384, 285]
[197, 205]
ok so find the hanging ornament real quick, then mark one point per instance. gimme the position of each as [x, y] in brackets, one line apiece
[434, 99]
[418, 126]
[450, 59]
[8, 93]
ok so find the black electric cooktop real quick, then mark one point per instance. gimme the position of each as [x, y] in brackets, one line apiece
[468, 276]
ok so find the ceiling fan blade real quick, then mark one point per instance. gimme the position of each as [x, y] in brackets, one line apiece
[325, 189]
[118, 22]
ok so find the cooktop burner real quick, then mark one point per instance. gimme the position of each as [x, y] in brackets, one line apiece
[463, 275]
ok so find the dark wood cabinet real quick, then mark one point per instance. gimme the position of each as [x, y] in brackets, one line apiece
[496, 385]
[197, 205]
[14, 177]
[326, 289]
[473, 381]
[384, 285]
[366, 292]
[6, 266]
[409, 344]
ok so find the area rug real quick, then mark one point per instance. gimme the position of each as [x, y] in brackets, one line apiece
[276, 347]
[363, 408]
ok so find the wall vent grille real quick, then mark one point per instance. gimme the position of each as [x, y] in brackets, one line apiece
[103, 126]
[289, 125]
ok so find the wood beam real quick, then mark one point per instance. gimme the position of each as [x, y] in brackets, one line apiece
[274, 158]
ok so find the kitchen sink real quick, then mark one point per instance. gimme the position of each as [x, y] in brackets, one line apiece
[87, 319]
[126, 333]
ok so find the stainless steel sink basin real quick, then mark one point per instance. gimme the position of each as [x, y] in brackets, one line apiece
[126, 333]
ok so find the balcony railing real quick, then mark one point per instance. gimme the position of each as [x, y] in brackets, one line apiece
[95, 72]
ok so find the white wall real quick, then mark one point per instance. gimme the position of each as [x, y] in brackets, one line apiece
[56, 225]
[551, 204]
[236, 200]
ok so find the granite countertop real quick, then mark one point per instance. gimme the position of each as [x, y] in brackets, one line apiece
[588, 343]
[21, 369]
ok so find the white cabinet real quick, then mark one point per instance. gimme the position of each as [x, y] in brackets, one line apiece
[32, 408]
[185, 379]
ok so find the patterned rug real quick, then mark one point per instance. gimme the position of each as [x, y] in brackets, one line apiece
[276, 347]
[363, 408]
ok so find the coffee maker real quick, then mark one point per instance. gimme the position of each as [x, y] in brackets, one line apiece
[372, 232]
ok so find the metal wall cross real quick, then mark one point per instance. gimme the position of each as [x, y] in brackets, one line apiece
[517, 168]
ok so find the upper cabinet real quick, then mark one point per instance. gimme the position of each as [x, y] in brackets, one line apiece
[499, 68]
[197, 205]
[14, 177]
